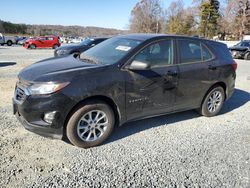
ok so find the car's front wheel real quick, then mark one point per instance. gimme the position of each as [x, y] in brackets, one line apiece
[90, 124]
[213, 102]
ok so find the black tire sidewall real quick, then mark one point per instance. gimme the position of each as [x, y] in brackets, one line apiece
[55, 46]
[9, 43]
[71, 129]
[204, 109]
[247, 56]
[32, 46]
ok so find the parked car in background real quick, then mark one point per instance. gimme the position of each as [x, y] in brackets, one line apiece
[241, 50]
[22, 42]
[122, 79]
[20, 39]
[43, 42]
[9, 40]
[78, 48]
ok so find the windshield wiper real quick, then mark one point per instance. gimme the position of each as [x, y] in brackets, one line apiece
[88, 59]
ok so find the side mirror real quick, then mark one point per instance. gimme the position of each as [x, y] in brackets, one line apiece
[139, 65]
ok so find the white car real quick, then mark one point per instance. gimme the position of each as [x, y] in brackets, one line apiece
[9, 40]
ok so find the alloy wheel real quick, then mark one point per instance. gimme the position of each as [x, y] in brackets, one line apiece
[214, 101]
[92, 125]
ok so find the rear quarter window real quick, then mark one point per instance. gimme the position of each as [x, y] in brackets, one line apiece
[221, 50]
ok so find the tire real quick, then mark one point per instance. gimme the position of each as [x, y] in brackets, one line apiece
[247, 56]
[76, 54]
[9, 43]
[79, 126]
[215, 105]
[32, 46]
[2, 44]
[55, 46]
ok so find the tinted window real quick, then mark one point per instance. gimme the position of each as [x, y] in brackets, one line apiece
[246, 44]
[190, 51]
[221, 50]
[42, 38]
[97, 41]
[87, 41]
[206, 54]
[157, 54]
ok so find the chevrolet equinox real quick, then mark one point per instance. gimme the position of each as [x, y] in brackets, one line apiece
[122, 79]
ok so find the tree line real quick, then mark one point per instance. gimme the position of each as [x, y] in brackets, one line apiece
[59, 30]
[228, 19]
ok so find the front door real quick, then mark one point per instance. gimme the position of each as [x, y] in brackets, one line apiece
[42, 42]
[152, 91]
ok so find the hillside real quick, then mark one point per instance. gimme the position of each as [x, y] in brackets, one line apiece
[36, 30]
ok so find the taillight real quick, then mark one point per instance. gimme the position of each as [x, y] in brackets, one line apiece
[234, 65]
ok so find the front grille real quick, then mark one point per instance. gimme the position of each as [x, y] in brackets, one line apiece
[20, 94]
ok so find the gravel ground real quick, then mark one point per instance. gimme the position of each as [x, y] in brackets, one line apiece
[178, 150]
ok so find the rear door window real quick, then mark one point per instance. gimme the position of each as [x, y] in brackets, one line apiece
[190, 51]
[206, 54]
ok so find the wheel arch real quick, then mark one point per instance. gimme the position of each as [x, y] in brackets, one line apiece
[222, 84]
[102, 98]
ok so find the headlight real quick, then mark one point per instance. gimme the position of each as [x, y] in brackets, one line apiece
[46, 88]
[61, 52]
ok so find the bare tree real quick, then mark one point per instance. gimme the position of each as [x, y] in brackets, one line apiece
[179, 19]
[236, 17]
[147, 17]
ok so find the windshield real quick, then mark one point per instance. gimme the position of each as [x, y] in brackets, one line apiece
[111, 50]
[86, 42]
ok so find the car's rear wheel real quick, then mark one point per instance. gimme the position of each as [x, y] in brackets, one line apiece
[9, 43]
[55, 46]
[213, 102]
[90, 124]
[247, 56]
[32, 46]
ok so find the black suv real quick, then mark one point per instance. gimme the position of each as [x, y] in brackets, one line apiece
[241, 50]
[78, 48]
[122, 79]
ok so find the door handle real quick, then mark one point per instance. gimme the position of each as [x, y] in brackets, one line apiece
[211, 67]
[172, 73]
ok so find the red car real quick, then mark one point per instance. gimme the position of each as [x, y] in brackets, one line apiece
[43, 42]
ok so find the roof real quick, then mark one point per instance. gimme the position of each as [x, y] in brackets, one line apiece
[148, 36]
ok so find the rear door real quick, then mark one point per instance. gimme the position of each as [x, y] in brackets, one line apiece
[196, 67]
[152, 92]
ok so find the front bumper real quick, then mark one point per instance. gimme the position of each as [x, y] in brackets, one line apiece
[42, 131]
[26, 45]
[31, 113]
[237, 54]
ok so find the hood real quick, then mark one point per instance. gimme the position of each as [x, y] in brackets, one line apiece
[50, 69]
[71, 47]
[240, 48]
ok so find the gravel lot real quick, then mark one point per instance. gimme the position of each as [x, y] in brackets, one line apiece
[178, 150]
